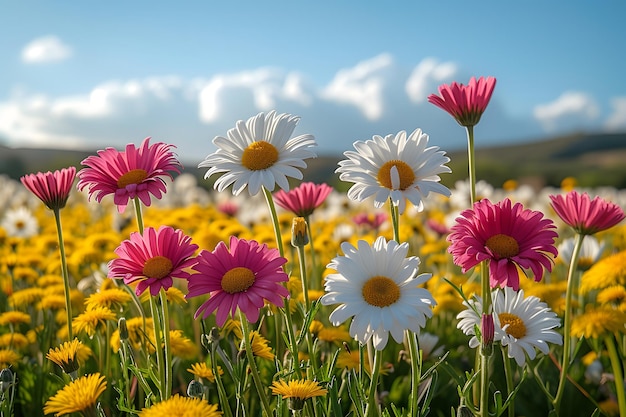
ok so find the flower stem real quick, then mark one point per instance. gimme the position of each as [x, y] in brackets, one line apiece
[472, 163]
[508, 374]
[567, 321]
[245, 328]
[395, 220]
[65, 273]
[616, 364]
[274, 216]
[156, 321]
[416, 372]
[484, 356]
[313, 257]
[372, 407]
[167, 346]
[138, 215]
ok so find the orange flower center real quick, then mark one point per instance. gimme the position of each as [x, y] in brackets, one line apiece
[237, 280]
[405, 174]
[134, 176]
[157, 267]
[503, 246]
[380, 291]
[259, 155]
[516, 328]
[20, 224]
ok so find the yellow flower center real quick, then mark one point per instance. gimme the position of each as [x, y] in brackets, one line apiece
[237, 280]
[516, 328]
[503, 246]
[157, 267]
[20, 224]
[134, 176]
[380, 291]
[259, 155]
[405, 173]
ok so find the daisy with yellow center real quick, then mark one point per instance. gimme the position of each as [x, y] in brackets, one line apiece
[298, 391]
[259, 152]
[201, 371]
[177, 406]
[79, 396]
[396, 167]
[521, 324]
[378, 286]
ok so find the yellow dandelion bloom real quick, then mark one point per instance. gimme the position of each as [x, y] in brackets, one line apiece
[80, 395]
[112, 298]
[90, 320]
[301, 389]
[14, 340]
[52, 302]
[614, 295]
[66, 355]
[48, 280]
[605, 273]
[201, 371]
[177, 406]
[609, 407]
[234, 327]
[26, 297]
[8, 357]
[182, 346]
[26, 274]
[589, 358]
[260, 346]
[14, 318]
[596, 322]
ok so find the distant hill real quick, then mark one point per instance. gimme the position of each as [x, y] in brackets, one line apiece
[593, 159]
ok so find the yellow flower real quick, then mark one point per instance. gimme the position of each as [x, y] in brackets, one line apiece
[112, 298]
[177, 406]
[137, 335]
[69, 355]
[260, 346]
[605, 273]
[298, 391]
[201, 371]
[80, 395]
[13, 318]
[8, 357]
[26, 297]
[90, 320]
[329, 334]
[595, 322]
[52, 302]
[182, 346]
[614, 295]
[14, 340]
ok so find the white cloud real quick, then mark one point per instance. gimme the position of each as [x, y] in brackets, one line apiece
[617, 119]
[426, 78]
[45, 49]
[573, 110]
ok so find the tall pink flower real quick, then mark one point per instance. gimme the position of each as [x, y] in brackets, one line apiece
[509, 237]
[303, 199]
[466, 103]
[584, 215]
[154, 259]
[242, 277]
[136, 172]
[53, 188]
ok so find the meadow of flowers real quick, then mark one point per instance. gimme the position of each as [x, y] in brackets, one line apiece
[134, 290]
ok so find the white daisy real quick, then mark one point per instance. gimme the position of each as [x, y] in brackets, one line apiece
[378, 286]
[259, 152]
[521, 324]
[20, 222]
[396, 167]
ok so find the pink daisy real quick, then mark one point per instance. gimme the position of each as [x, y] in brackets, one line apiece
[53, 188]
[240, 278]
[154, 259]
[303, 199]
[466, 103]
[508, 236]
[584, 215]
[136, 172]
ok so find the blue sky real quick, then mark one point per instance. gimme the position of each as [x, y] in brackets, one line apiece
[96, 74]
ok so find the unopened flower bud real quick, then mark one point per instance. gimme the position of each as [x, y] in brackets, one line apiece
[487, 330]
[123, 329]
[299, 235]
[195, 389]
[6, 379]
[464, 411]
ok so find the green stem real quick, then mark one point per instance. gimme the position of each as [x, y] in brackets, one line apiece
[315, 283]
[65, 273]
[567, 321]
[372, 408]
[395, 221]
[508, 374]
[156, 322]
[484, 356]
[138, 215]
[416, 372]
[616, 364]
[303, 278]
[167, 346]
[221, 391]
[252, 363]
[274, 216]
[472, 163]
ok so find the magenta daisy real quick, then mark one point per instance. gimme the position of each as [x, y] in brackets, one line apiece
[135, 172]
[53, 188]
[303, 199]
[584, 215]
[154, 259]
[466, 103]
[242, 277]
[509, 237]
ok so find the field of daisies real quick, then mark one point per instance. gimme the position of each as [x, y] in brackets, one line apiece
[128, 288]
